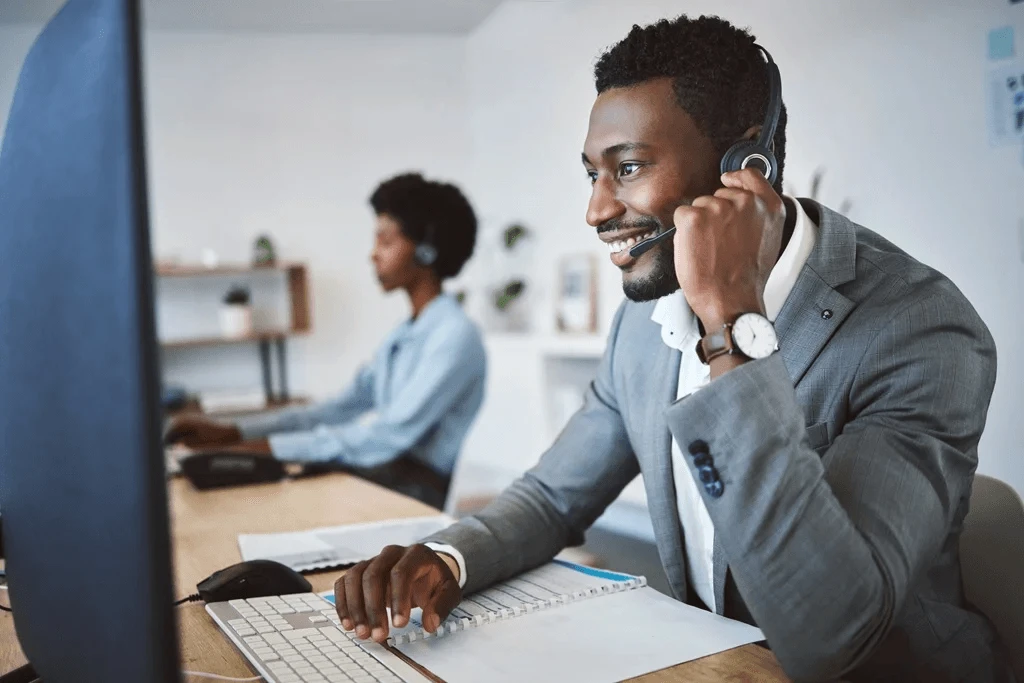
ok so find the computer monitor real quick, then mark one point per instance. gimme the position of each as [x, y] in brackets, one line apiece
[82, 484]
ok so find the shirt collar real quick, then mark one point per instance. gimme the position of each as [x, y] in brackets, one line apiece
[679, 324]
[425, 320]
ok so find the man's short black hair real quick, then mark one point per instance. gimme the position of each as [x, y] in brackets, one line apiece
[720, 78]
[429, 209]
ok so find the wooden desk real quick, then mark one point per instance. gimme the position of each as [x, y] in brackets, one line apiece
[205, 526]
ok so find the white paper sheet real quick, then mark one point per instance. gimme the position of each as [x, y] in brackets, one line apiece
[607, 638]
[339, 545]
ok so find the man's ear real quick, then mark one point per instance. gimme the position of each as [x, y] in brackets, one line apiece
[752, 132]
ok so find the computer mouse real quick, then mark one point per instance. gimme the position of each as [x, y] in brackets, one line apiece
[254, 579]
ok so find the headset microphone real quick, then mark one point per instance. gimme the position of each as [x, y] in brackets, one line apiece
[651, 243]
[757, 153]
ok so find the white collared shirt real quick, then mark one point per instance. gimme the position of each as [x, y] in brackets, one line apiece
[679, 331]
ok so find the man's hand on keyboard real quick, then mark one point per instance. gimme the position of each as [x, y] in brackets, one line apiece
[402, 578]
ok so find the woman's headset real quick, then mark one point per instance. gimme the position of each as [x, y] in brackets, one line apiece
[426, 253]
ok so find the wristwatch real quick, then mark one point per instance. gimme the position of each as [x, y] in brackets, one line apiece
[751, 335]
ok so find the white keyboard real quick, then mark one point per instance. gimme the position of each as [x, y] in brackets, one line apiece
[298, 639]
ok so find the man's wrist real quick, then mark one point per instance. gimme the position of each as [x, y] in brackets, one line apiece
[723, 364]
[452, 564]
[714, 318]
[453, 559]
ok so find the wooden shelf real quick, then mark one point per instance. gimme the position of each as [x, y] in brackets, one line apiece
[193, 270]
[266, 335]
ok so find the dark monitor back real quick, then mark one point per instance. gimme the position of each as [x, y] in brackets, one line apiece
[82, 486]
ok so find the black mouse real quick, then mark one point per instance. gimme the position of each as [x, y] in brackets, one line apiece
[255, 579]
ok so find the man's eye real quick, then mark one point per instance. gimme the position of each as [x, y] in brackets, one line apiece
[628, 168]
[593, 176]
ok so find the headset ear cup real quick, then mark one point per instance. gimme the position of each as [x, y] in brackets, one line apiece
[747, 153]
[425, 254]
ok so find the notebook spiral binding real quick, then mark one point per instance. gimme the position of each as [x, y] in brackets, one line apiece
[456, 624]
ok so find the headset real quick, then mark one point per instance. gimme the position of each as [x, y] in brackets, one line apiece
[426, 253]
[758, 153]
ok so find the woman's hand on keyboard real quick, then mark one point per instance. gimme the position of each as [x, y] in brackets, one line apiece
[402, 578]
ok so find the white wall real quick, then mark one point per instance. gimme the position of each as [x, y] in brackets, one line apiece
[15, 41]
[287, 134]
[887, 94]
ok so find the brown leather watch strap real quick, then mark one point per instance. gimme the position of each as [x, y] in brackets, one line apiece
[715, 344]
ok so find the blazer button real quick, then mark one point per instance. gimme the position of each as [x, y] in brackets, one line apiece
[707, 475]
[715, 488]
[698, 446]
[703, 460]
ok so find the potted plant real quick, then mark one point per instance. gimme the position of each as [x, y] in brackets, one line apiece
[236, 313]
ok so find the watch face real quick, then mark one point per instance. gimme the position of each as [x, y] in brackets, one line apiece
[754, 336]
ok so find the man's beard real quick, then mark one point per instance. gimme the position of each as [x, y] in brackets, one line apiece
[660, 281]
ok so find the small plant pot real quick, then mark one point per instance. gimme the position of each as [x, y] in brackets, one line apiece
[236, 320]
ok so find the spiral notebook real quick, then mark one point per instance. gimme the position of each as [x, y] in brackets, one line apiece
[564, 621]
[553, 585]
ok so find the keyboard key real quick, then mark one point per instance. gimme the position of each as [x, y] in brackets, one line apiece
[289, 678]
[315, 678]
[304, 670]
[318, 618]
[302, 633]
[245, 631]
[294, 659]
[274, 638]
[270, 657]
[339, 678]
[251, 640]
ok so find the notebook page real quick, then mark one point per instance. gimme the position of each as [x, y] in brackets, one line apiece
[609, 638]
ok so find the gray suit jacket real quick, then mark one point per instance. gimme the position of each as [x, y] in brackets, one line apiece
[845, 463]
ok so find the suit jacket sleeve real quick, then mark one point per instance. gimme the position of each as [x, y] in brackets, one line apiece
[553, 503]
[823, 549]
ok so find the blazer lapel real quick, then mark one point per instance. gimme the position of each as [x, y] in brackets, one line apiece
[660, 486]
[814, 309]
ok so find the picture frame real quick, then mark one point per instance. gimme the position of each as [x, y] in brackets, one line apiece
[577, 294]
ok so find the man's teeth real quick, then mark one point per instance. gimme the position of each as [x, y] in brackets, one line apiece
[616, 247]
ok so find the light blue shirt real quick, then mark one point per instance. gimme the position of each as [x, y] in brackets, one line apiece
[425, 386]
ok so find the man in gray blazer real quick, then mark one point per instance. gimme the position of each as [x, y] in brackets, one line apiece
[816, 488]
